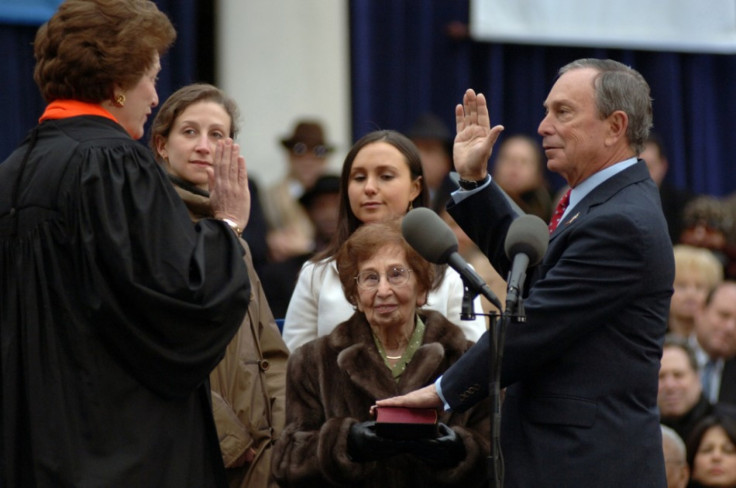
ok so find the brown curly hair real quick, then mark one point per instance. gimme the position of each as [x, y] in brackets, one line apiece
[89, 47]
[369, 239]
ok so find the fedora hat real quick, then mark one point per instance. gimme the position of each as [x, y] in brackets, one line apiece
[309, 133]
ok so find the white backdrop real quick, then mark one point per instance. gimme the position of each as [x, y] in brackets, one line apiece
[663, 25]
[281, 60]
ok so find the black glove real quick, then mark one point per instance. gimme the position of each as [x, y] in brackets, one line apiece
[365, 445]
[446, 450]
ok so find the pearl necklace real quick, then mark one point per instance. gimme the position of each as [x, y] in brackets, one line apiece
[393, 357]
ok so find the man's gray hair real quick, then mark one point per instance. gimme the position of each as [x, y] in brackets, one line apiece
[620, 87]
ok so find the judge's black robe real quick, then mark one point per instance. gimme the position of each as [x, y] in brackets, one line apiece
[114, 308]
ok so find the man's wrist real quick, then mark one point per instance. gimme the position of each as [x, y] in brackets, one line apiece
[438, 390]
[472, 184]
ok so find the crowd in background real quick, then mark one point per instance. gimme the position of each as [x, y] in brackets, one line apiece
[297, 243]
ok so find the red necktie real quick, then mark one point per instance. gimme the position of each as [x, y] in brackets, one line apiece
[561, 206]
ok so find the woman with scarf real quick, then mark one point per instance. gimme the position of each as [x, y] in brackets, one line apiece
[248, 384]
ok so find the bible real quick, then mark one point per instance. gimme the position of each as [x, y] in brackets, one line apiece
[406, 423]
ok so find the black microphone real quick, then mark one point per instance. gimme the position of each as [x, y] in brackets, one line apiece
[525, 245]
[433, 239]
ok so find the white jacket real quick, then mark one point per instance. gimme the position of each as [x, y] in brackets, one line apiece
[318, 304]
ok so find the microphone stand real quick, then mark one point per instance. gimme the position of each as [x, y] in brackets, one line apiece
[514, 310]
[496, 331]
[467, 309]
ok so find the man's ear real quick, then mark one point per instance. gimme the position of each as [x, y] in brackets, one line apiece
[618, 122]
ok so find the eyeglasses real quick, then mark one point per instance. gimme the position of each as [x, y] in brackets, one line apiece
[370, 279]
[301, 149]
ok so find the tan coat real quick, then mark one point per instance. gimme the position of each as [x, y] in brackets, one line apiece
[248, 385]
[331, 383]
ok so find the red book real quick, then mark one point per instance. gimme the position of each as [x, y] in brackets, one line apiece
[406, 423]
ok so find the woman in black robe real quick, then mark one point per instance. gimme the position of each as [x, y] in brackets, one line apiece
[114, 307]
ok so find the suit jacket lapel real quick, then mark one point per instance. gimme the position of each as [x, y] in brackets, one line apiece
[602, 193]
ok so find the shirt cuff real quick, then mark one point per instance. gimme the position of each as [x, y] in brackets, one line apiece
[438, 388]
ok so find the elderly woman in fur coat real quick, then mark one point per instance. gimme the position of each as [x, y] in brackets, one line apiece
[388, 347]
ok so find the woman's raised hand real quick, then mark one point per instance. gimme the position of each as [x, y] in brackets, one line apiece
[228, 179]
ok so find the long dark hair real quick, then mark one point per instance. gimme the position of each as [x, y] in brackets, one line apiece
[717, 419]
[347, 222]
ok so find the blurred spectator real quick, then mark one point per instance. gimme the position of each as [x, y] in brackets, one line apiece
[711, 453]
[321, 203]
[680, 397]
[519, 170]
[434, 141]
[729, 205]
[697, 272]
[706, 223]
[675, 458]
[257, 228]
[291, 232]
[715, 344]
[673, 199]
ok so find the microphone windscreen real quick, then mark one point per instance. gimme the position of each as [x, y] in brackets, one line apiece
[429, 235]
[529, 235]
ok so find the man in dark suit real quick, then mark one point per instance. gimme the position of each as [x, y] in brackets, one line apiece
[714, 339]
[727, 393]
[582, 372]
[681, 401]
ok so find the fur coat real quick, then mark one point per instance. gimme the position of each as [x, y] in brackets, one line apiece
[331, 384]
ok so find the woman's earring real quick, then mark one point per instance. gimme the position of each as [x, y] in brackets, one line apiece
[119, 100]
